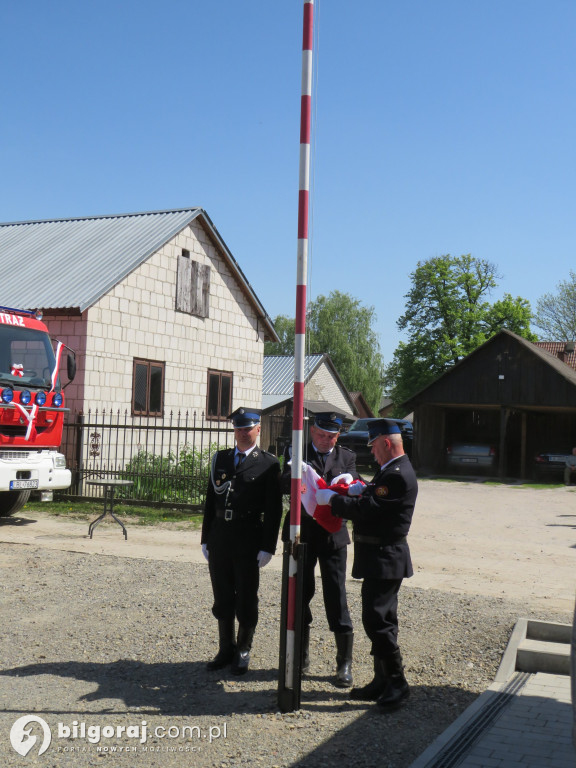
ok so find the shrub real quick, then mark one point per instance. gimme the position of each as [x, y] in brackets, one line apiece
[180, 478]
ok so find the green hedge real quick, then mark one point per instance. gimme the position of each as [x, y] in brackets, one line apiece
[181, 478]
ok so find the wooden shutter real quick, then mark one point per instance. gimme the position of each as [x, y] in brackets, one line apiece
[184, 282]
[200, 289]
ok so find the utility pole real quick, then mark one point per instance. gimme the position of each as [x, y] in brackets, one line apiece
[294, 551]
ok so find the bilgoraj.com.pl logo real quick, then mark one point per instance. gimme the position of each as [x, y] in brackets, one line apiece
[32, 732]
[23, 736]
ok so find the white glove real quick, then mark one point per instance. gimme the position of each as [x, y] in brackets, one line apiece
[303, 465]
[205, 550]
[263, 558]
[324, 495]
[356, 489]
[345, 478]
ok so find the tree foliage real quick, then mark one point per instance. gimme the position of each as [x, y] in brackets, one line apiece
[447, 317]
[342, 327]
[285, 328]
[556, 312]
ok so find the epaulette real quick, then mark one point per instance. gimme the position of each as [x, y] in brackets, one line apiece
[268, 453]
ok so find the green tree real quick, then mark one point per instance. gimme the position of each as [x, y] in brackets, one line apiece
[556, 313]
[447, 317]
[513, 314]
[342, 327]
[285, 329]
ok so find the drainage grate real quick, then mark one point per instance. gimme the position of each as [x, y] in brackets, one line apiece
[451, 755]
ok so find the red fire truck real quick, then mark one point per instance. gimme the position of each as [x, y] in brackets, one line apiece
[31, 409]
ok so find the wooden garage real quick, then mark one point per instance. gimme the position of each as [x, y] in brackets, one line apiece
[510, 393]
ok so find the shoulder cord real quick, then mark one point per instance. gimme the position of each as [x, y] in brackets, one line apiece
[219, 489]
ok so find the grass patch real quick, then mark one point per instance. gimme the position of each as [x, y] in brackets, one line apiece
[498, 483]
[541, 486]
[137, 515]
[442, 479]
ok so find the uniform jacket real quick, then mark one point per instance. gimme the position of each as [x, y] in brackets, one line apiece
[383, 512]
[339, 461]
[253, 497]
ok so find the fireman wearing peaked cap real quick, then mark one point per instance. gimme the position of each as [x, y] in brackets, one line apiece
[381, 518]
[242, 517]
[329, 550]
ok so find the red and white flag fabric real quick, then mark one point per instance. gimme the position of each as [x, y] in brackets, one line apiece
[312, 482]
[30, 418]
[58, 357]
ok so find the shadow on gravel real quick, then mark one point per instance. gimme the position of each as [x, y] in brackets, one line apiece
[372, 738]
[174, 689]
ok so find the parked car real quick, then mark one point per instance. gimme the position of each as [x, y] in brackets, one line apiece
[470, 456]
[357, 439]
[551, 463]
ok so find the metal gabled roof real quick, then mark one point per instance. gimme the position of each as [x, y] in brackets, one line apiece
[310, 406]
[278, 373]
[68, 264]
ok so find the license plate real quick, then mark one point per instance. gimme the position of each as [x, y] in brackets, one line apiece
[19, 485]
[558, 458]
[469, 460]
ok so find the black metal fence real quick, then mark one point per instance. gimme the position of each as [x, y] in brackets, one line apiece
[168, 462]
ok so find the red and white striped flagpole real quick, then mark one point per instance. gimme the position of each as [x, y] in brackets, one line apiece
[292, 665]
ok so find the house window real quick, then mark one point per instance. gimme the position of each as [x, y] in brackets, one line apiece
[148, 388]
[193, 286]
[219, 401]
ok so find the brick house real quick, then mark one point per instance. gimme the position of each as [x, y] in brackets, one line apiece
[158, 311]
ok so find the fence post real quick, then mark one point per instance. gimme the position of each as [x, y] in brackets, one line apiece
[79, 473]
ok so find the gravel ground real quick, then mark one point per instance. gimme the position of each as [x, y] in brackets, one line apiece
[114, 641]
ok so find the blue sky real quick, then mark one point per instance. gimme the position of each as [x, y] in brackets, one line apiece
[440, 127]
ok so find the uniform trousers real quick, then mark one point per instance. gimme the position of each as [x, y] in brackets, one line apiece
[235, 579]
[380, 614]
[333, 575]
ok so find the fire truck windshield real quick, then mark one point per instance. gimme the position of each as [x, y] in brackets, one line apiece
[26, 358]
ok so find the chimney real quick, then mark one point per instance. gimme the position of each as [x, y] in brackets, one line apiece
[568, 350]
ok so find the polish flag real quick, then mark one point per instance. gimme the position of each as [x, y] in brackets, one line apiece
[312, 482]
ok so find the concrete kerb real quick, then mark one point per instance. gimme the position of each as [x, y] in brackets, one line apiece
[536, 646]
[508, 663]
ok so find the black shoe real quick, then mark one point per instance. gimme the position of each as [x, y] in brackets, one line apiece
[344, 675]
[394, 695]
[241, 660]
[375, 688]
[369, 692]
[227, 645]
[241, 663]
[222, 658]
[397, 689]
[305, 666]
[344, 644]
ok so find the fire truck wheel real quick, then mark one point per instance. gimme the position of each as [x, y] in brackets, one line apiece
[12, 501]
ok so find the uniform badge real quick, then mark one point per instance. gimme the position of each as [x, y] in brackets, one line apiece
[255, 453]
[223, 476]
[382, 490]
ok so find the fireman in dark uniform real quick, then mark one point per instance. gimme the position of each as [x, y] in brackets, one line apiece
[381, 518]
[242, 517]
[330, 461]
